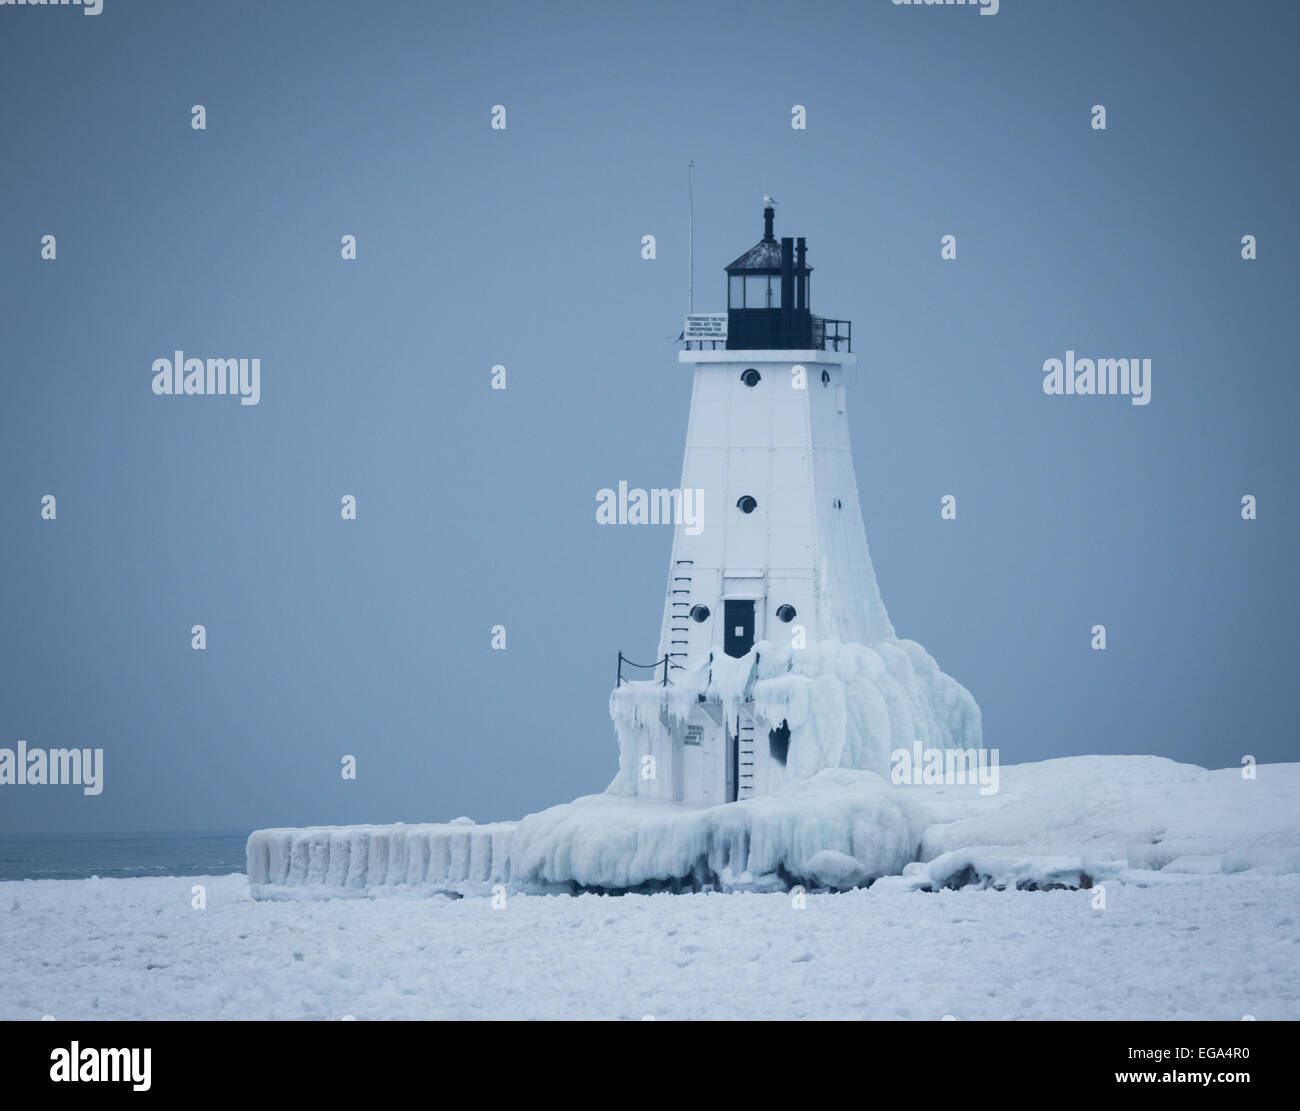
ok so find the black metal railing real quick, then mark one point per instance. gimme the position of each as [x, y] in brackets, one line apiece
[622, 659]
[832, 333]
[667, 663]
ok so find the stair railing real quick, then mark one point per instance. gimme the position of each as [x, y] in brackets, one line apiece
[622, 659]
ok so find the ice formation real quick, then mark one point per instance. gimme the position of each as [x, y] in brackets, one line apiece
[845, 706]
[1138, 820]
[456, 856]
[1135, 813]
[837, 829]
[756, 754]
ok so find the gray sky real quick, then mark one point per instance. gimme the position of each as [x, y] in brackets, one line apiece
[523, 247]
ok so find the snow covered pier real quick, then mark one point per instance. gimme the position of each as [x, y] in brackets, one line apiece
[837, 830]
[1066, 823]
[455, 857]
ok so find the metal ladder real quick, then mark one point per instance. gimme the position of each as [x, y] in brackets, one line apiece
[679, 597]
[745, 759]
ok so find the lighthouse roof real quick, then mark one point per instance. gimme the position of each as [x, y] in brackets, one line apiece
[764, 255]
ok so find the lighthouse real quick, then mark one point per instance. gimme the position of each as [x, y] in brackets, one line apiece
[777, 657]
[757, 752]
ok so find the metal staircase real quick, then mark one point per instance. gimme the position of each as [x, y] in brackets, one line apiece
[745, 759]
[679, 615]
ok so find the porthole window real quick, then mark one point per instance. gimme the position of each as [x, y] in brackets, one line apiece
[826, 377]
[751, 377]
[786, 613]
[700, 613]
[747, 504]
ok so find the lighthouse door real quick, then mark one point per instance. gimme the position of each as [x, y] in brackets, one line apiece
[738, 617]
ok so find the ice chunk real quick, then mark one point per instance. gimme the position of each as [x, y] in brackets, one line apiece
[829, 868]
[836, 827]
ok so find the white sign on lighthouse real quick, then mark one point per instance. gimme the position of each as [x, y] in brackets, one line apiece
[777, 656]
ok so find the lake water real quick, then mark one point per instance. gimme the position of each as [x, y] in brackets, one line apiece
[79, 856]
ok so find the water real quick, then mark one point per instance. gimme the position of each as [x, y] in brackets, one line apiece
[78, 856]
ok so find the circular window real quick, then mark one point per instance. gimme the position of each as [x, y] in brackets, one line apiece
[826, 377]
[700, 613]
[751, 377]
[747, 504]
[785, 613]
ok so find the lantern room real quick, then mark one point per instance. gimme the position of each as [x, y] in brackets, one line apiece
[768, 295]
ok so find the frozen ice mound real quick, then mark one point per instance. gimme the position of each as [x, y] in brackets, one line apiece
[851, 705]
[1151, 812]
[846, 705]
[838, 829]
[1076, 821]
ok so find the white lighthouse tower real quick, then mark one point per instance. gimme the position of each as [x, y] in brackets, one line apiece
[777, 657]
[746, 759]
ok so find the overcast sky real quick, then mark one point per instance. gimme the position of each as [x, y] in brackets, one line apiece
[522, 247]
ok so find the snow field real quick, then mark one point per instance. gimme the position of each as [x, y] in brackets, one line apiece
[1167, 946]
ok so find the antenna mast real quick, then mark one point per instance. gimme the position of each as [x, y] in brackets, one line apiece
[690, 249]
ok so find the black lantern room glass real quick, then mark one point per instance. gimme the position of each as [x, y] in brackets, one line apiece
[767, 294]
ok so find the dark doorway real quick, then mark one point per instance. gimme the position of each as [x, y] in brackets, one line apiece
[738, 636]
[778, 741]
[733, 763]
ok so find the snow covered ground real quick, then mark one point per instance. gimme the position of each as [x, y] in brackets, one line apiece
[1200, 872]
[1180, 946]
